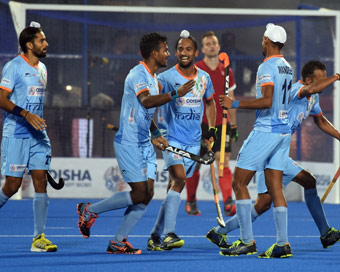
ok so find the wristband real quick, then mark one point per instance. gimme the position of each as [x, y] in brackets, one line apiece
[235, 104]
[173, 94]
[17, 110]
[156, 133]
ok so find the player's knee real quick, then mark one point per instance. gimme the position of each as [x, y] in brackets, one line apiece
[309, 182]
[148, 197]
[236, 186]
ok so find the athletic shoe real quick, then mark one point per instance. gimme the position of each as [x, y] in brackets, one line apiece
[276, 251]
[123, 247]
[240, 248]
[332, 237]
[191, 208]
[86, 219]
[171, 240]
[229, 207]
[218, 239]
[154, 243]
[41, 244]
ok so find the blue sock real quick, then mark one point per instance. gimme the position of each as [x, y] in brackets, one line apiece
[232, 223]
[131, 217]
[243, 209]
[315, 208]
[171, 206]
[3, 198]
[281, 223]
[116, 201]
[40, 208]
[159, 224]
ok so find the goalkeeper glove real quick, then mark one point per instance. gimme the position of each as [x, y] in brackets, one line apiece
[234, 134]
[212, 133]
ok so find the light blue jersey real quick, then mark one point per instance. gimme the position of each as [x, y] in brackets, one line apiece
[298, 110]
[301, 108]
[274, 71]
[27, 86]
[135, 119]
[180, 120]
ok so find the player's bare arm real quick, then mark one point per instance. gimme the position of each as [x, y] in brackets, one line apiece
[318, 86]
[263, 102]
[150, 101]
[232, 112]
[33, 119]
[210, 111]
[158, 140]
[322, 122]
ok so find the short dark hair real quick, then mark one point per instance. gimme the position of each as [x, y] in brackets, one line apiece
[309, 68]
[278, 44]
[150, 42]
[209, 34]
[191, 38]
[28, 35]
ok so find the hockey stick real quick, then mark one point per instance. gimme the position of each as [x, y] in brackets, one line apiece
[53, 183]
[219, 217]
[224, 57]
[330, 186]
[207, 158]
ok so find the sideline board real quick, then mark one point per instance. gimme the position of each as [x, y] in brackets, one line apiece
[100, 178]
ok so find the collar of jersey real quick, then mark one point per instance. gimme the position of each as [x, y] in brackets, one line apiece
[274, 56]
[25, 59]
[146, 67]
[179, 71]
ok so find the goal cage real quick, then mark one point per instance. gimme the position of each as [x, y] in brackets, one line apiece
[92, 48]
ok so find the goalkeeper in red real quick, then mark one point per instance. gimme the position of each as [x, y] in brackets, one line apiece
[211, 64]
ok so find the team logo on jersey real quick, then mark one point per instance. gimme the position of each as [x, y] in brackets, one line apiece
[43, 76]
[36, 91]
[5, 81]
[17, 167]
[140, 86]
[265, 77]
[311, 103]
[200, 86]
[191, 102]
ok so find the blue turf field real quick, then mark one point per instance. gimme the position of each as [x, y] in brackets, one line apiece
[198, 254]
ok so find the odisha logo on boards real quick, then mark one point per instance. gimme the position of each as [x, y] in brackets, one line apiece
[71, 174]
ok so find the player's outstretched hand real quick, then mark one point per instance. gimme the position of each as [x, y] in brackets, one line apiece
[160, 142]
[185, 88]
[35, 121]
[225, 101]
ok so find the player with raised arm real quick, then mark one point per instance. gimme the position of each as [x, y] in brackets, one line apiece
[135, 154]
[271, 135]
[180, 121]
[211, 64]
[25, 144]
[304, 102]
